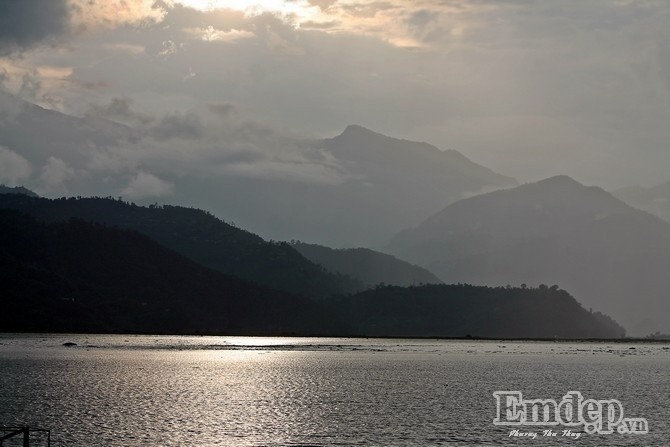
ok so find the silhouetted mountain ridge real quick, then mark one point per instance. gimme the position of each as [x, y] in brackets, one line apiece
[464, 310]
[201, 237]
[81, 276]
[369, 266]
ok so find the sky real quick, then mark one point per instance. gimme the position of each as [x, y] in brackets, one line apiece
[529, 89]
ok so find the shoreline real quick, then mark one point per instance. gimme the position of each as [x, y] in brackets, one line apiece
[356, 336]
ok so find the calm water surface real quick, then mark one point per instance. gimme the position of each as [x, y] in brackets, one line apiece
[242, 391]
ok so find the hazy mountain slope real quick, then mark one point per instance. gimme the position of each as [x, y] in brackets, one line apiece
[79, 276]
[370, 267]
[381, 158]
[37, 133]
[461, 310]
[201, 237]
[394, 182]
[502, 218]
[655, 200]
[618, 264]
[610, 256]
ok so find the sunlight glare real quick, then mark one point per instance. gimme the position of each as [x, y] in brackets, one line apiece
[299, 8]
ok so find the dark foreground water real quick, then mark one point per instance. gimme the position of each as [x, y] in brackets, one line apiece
[240, 391]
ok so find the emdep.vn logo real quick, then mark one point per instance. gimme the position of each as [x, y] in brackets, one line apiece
[595, 416]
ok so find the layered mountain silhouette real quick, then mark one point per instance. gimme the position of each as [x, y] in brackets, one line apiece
[381, 185]
[655, 200]
[79, 276]
[609, 255]
[368, 266]
[199, 236]
[393, 181]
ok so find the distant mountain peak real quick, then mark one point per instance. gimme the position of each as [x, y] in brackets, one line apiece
[559, 180]
[358, 132]
[356, 138]
[351, 128]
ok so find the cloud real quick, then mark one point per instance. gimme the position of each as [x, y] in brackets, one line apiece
[4, 77]
[30, 85]
[308, 172]
[323, 4]
[109, 14]
[525, 88]
[214, 145]
[225, 110]
[125, 48]
[120, 110]
[177, 125]
[26, 24]
[56, 173]
[425, 25]
[144, 184]
[211, 34]
[13, 167]
[169, 48]
[310, 24]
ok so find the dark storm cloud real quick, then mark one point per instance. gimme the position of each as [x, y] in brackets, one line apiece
[27, 23]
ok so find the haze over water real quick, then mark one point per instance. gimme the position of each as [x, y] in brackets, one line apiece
[119, 390]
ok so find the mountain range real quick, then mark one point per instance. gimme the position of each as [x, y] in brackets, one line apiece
[362, 186]
[78, 276]
[201, 237]
[556, 231]
[609, 255]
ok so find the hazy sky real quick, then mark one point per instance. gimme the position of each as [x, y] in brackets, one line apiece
[527, 88]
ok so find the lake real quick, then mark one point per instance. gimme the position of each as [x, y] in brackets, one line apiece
[124, 390]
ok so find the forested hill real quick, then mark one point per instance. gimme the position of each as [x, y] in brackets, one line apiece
[369, 266]
[81, 276]
[465, 310]
[16, 190]
[201, 237]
